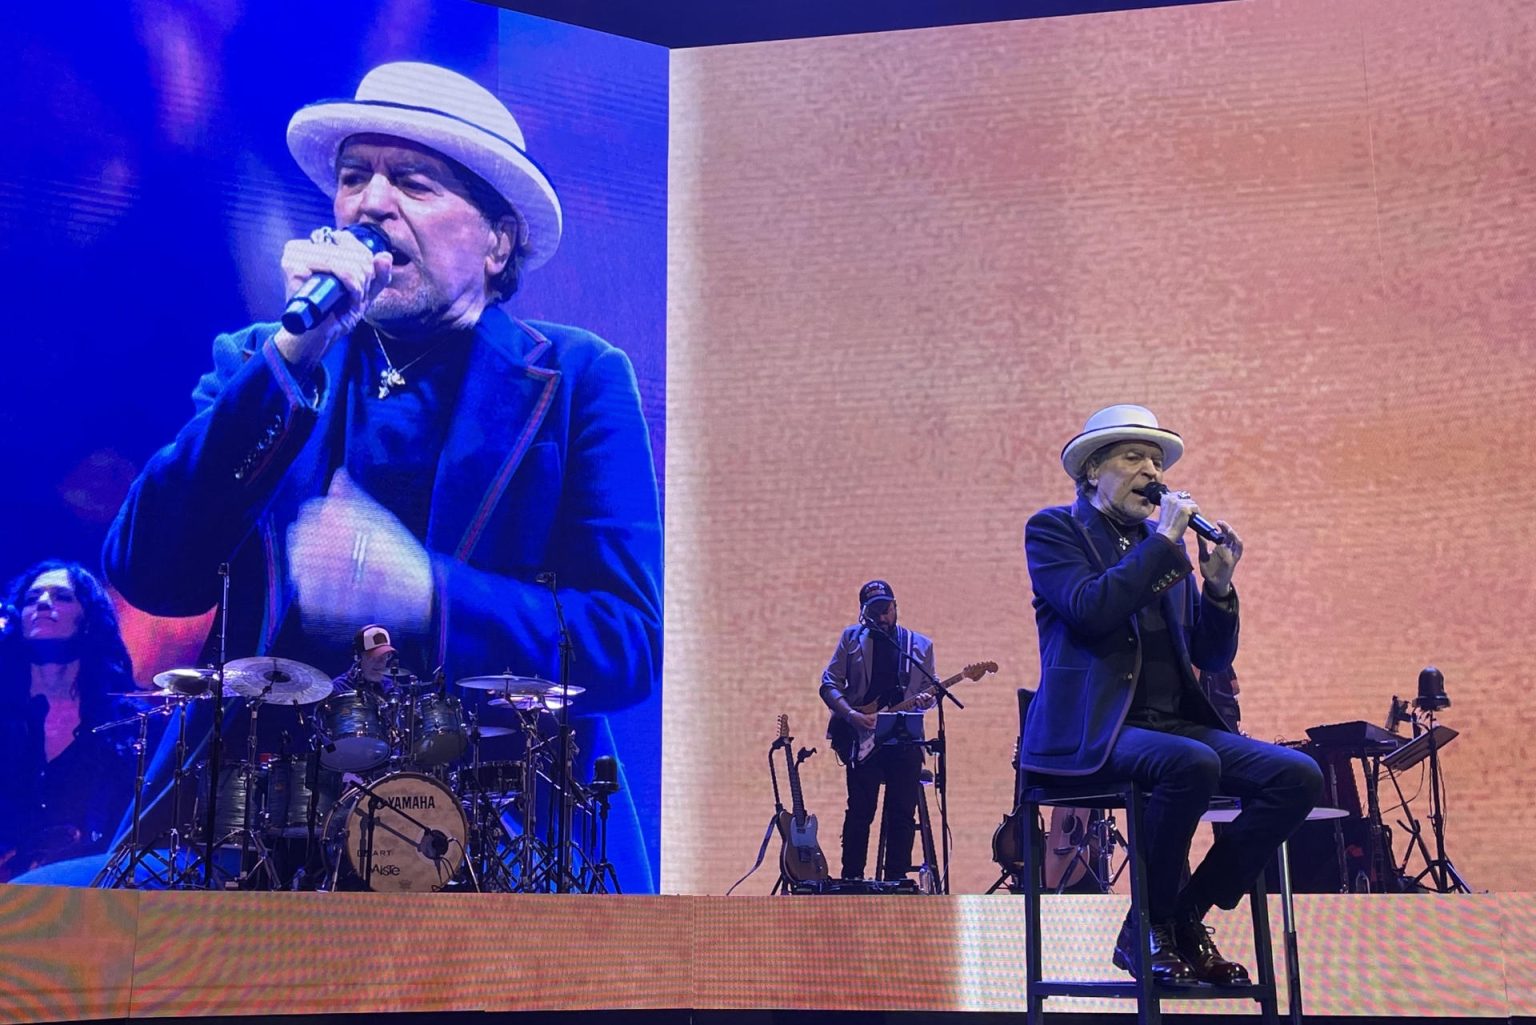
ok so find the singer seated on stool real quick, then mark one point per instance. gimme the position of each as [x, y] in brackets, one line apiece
[1122, 627]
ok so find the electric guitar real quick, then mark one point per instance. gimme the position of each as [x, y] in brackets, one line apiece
[852, 744]
[800, 857]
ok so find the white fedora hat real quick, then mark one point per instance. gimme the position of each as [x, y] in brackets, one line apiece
[446, 112]
[1114, 424]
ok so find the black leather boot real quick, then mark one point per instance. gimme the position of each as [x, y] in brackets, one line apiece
[1194, 941]
[1168, 965]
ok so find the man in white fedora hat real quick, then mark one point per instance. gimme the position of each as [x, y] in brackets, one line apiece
[1122, 629]
[417, 457]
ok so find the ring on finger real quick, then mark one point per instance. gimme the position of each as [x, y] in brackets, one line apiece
[324, 236]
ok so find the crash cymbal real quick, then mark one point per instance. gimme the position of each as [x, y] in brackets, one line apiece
[507, 684]
[277, 681]
[185, 681]
[493, 731]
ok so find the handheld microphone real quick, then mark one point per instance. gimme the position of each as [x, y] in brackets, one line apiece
[318, 297]
[547, 577]
[1154, 493]
[10, 619]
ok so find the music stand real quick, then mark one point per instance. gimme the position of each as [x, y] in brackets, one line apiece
[898, 728]
[1417, 749]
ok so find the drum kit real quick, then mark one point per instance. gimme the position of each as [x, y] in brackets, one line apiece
[389, 794]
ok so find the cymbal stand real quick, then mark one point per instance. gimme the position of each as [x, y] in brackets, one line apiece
[216, 744]
[527, 857]
[247, 833]
[121, 869]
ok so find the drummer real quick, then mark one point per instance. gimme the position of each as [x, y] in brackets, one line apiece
[374, 663]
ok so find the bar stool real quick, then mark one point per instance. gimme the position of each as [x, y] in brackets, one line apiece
[1147, 993]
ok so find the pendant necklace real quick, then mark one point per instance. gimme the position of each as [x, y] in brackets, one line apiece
[1121, 540]
[393, 377]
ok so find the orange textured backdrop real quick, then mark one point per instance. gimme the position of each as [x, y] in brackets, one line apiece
[903, 268]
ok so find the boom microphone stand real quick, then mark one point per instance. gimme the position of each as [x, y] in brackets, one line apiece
[563, 882]
[937, 745]
[216, 745]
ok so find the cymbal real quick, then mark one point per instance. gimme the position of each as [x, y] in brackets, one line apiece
[185, 681]
[278, 681]
[493, 731]
[164, 694]
[528, 702]
[506, 683]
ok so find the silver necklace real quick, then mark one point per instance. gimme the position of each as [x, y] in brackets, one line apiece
[1121, 540]
[393, 377]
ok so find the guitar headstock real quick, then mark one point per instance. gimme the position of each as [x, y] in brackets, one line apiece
[784, 727]
[976, 670]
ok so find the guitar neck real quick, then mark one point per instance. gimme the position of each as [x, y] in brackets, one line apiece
[929, 691]
[796, 800]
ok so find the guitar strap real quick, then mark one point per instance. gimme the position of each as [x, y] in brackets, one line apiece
[762, 851]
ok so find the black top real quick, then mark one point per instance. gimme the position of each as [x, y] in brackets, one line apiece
[1160, 687]
[68, 807]
[884, 682]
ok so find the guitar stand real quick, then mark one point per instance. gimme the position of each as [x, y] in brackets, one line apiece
[783, 884]
[1103, 833]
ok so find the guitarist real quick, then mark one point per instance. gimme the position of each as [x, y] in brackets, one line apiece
[873, 662]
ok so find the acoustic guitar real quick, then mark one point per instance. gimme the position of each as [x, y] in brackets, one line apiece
[800, 857]
[852, 744]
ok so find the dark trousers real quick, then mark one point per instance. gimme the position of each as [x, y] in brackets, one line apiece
[1181, 765]
[898, 767]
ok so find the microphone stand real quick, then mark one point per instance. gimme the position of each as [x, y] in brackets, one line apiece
[216, 745]
[563, 766]
[936, 745]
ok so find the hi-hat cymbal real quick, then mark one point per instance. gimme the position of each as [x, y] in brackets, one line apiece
[277, 681]
[164, 694]
[185, 681]
[529, 702]
[507, 684]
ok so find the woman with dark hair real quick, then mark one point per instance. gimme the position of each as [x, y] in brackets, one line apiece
[63, 787]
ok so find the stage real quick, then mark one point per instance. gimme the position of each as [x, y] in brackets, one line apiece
[75, 954]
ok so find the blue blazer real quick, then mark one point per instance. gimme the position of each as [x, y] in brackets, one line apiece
[547, 466]
[1086, 598]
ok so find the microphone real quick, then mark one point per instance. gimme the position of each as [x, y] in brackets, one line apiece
[434, 845]
[322, 293]
[10, 619]
[547, 577]
[1154, 493]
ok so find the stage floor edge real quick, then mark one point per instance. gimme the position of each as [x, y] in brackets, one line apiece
[71, 954]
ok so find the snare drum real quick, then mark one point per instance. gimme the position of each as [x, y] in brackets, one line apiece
[352, 728]
[288, 795]
[439, 735]
[418, 835]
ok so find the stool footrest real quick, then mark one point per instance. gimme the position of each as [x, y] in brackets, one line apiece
[1130, 990]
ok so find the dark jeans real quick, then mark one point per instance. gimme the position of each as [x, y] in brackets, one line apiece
[1181, 765]
[898, 767]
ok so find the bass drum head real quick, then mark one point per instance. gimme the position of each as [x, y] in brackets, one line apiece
[404, 859]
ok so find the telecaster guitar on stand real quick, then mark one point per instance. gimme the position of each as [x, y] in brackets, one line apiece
[800, 857]
[853, 745]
